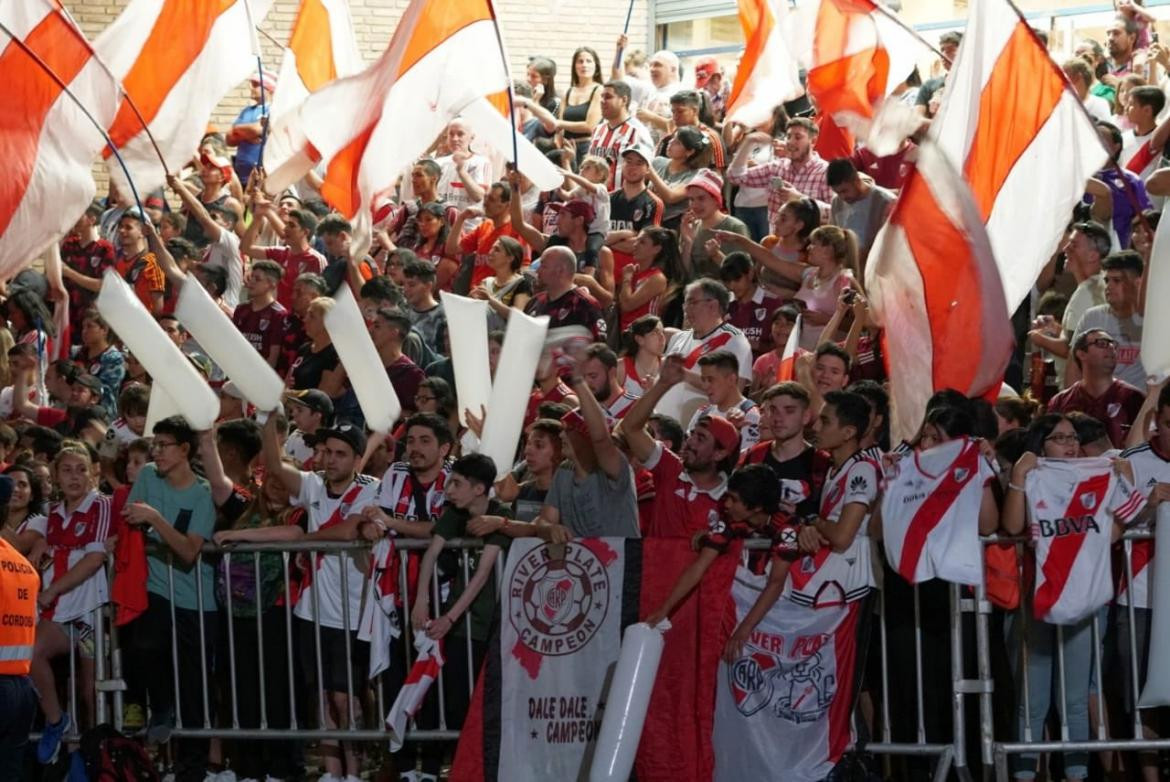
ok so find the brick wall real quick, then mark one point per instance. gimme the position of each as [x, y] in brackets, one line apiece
[553, 28]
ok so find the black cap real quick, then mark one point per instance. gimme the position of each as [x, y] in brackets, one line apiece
[352, 435]
[87, 380]
[314, 399]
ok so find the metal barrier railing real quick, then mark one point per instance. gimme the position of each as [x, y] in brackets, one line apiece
[970, 614]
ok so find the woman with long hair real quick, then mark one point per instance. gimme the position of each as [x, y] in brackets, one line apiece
[430, 243]
[783, 254]
[542, 78]
[832, 264]
[27, 501]
[508, 288]
[657, 266]
[688, 152]
[580, 111]
[1051, 441]
[643, 343]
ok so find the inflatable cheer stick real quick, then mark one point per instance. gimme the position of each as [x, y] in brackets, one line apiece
[629, 698]
[1157, 689]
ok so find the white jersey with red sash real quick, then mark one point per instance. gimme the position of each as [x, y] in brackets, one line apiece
[321, 585]
[930, 513]
[1072, 504]
[679, 398]
[829, 578]
[70, 537]
[1150, 467]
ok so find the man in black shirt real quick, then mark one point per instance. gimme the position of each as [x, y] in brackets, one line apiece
[784, 414]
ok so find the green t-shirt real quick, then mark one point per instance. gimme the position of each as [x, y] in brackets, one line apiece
[189, 510]
[453, 524]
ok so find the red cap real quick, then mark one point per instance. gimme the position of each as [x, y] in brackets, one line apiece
[710, 183]
[722, 430]
[215, 161]
[575, 208]
[705, 68]
[269, 81]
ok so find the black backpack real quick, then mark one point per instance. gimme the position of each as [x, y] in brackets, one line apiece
[111, 757]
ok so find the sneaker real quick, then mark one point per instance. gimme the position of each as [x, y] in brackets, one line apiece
[133, 717]
[408, 776]
[50, 743]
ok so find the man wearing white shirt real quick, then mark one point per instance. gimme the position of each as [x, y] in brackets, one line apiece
[1080, 76]
[466, 175]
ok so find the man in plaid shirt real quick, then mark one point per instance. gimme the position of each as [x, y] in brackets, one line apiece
[800, 173]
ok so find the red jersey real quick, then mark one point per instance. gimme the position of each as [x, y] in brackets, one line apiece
[263, 328]
[557, 393]
[144, 275]
[680, 508]
[294, 265]
[480, 240]
[92, 260]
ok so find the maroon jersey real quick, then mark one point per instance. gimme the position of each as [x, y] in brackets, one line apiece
[754, 318]
[1117, 408]
[92, 260]
[571, 309]
[405, 376]
[263, 328]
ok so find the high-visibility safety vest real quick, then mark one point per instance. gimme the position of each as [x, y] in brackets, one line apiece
[19, 584]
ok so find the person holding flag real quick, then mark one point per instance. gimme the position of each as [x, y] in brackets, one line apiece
[248, 131]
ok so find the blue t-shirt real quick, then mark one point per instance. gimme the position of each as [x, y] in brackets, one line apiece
[247, 152]
[187, 510]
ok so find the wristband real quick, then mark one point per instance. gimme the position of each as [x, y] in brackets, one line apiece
[1013, 487]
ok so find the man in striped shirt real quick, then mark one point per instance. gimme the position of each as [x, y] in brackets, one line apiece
[619, 131]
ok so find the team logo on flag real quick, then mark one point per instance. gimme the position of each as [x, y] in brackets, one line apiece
[561, 602]
[799, 692]
[750, 679]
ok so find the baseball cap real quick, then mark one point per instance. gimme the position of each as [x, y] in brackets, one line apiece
[215, 161]
[641, 150]
[710, 183]
[705, 68]
[269, 81]
[575, 208]
[87, 380]
[314, 399]
[349, 434]
[722, 430]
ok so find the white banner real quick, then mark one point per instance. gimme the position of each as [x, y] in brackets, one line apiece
[782, 709]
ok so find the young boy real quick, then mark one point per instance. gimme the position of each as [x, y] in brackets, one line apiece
[592, 187]
[719, 371]
[309, 410]
[750, 510]
[467, 489]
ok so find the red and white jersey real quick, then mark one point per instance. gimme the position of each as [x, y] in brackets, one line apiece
[829, 578]
[1149, 469]
[930, 513]
[1072, 504]
[322, 574]
[70, 537]
[692, 348]
[749, 432]
[680, 508]
[399, 492]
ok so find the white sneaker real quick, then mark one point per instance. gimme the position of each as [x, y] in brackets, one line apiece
[352, 778]
[329, 778]
[408, 776]
[427, 777]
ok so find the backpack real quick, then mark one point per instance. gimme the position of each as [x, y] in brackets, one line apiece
[111, 757]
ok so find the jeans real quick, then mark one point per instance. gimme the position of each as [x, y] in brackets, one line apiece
[1044, 689]
[755, 218]
[18, 706]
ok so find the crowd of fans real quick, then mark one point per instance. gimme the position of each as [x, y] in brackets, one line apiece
[690, 249]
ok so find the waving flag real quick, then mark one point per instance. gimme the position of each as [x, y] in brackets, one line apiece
[935, 289]
[787, 368]
[176, 59]
[1009, 121]
[768, 73]
[320, 48]
[46, 142]
[856, 56]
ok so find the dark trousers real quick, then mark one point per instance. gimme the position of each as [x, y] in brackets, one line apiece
[153, 640]
[18, 706]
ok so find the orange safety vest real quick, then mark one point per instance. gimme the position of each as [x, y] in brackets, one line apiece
[19, 584]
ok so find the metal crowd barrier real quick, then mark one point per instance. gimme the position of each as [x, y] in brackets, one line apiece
[948, 756]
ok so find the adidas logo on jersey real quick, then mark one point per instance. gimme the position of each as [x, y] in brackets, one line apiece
[1072, 525]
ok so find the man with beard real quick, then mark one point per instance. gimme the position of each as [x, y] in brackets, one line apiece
[326, 614]
[689, 485]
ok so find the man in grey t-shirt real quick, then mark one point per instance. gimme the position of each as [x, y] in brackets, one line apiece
[859, 204]
[1118, 316]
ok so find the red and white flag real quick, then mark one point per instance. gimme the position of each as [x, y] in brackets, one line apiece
[175, 59]
[1008, 121]
[419, 679]
[787, 368]
[46, 142]
[768, 73]
[856, 56]
[321, 48]
[370, 126]
[935, 289]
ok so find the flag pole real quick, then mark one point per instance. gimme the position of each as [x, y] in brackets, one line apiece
[125, 94]
[617, 57]
[260, 68]
[508, 74]
[271, 38]
[36, 58]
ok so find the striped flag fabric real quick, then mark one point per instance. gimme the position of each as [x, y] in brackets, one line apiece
[46, 142]
[936, 291]
[434, 66]
[1008, 120]
[856, 56]
[176, 59]
[321, 48]
[768, 72]
[419, 678]
[787, 368]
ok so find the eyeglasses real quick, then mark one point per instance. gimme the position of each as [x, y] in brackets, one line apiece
[420, 398]
[159, 445]
[1103, 342]
[1062, 439]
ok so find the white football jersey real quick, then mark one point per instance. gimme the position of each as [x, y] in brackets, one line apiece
[930, 513]
[1072, 504]
[1149, 469]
